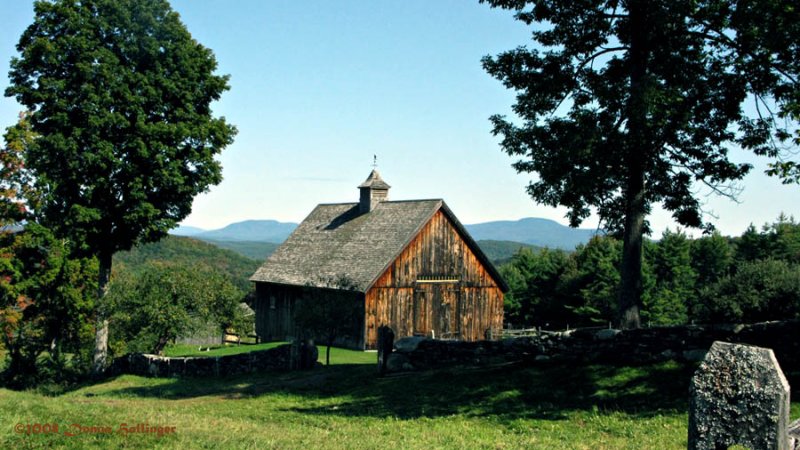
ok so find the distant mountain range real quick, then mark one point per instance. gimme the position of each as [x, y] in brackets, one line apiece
[248, 230]
[532, 231]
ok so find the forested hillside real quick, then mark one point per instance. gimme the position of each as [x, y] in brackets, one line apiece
[257, 250]
[500, 252]
[191, 252]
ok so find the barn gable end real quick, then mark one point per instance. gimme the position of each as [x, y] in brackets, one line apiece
[440, 285]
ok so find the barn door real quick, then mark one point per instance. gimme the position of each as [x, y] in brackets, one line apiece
[448, 312]
[436, 310]
[422, 306]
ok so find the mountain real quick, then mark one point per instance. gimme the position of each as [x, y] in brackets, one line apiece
[533, 231]
[251, 230]
[190, 251]
[186, 231]
[258, 238]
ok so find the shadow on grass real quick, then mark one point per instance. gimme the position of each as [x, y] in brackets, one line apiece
[509, 392]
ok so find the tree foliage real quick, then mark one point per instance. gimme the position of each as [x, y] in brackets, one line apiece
[162, 301]
[121, 97]
[16, 188]
[766, 289]
[753, 277]
[46, 302]
[629, 104]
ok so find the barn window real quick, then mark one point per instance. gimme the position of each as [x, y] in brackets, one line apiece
[271, 302]
[438, 278]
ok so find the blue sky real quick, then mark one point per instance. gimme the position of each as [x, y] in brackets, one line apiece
[318, 87]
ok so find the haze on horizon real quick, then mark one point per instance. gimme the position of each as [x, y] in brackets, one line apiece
[319, 88]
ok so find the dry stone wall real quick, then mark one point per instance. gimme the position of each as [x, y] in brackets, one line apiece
[604, 346]
[295, 356]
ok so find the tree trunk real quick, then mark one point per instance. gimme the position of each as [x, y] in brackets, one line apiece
[639, 145]
[101, 332]
[630, 291]
[160, 345]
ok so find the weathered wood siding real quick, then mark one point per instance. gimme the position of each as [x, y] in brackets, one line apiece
[275, 306]
[437, 286]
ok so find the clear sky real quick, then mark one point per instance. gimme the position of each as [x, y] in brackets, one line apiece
[319, 87]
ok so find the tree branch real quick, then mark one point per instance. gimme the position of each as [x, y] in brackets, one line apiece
[720, 38]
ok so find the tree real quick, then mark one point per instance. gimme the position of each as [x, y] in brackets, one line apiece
[784, 239]
[163, 302]
[534, 278]
[120, 96]
[330, 312]
[712, 257]
[766, 289]
[752, 245]
[16, 189]
[675, 280]
[631, 104]
[514, 299]
[596, 280]
[46, 298]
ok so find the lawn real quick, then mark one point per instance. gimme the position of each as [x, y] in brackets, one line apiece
[338, 355]
[347, 406]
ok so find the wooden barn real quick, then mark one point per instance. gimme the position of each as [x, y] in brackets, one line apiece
[409, 265]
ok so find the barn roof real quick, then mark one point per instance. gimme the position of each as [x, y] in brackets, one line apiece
[335, 240]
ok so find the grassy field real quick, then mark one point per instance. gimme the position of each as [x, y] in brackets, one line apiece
[345, 406]
[338, 356]
[216, 350]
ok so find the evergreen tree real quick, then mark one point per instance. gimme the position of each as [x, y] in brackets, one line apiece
[784, 239]
[630, 104]
[121, 97]
[596, 280]
[712, 257]
[675, 281]
[751, 245]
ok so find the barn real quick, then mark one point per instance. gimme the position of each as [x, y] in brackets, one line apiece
[409, 265]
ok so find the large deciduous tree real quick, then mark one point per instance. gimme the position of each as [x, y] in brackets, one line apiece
[120, 95]
[627, 104]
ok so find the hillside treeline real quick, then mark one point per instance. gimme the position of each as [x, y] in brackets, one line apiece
[713, 279]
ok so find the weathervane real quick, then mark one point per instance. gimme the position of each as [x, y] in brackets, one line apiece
[374, 161]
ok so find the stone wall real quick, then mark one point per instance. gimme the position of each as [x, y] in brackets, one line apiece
[285, 357]
[604, 346]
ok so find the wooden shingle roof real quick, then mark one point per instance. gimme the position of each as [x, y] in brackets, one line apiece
[335, 240]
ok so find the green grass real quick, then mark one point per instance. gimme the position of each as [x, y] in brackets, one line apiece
[346, 406]
[338, 355]
[216, 350]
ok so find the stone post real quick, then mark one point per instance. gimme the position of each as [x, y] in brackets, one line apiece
[739, 395]
[385, 346]
[303, 354]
